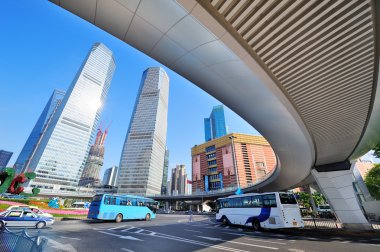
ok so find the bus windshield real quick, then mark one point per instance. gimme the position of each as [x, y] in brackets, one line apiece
[286, 198]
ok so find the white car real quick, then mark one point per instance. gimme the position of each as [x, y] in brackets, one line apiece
[34, 209]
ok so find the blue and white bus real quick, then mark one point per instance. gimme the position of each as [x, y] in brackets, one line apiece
[260, 210]
[121, 207]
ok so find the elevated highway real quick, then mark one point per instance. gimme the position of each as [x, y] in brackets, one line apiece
[303, 73]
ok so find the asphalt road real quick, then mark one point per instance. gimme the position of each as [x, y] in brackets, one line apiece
[175, 233]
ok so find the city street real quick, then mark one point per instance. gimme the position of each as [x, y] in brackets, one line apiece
[176, 233]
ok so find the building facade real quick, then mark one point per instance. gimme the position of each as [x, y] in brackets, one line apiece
[142, 158]
[90, 175]
[38, 130]
[5, 156]
[61, 155]
[164, 188]
[179, 180]
[216, 162]
[110, 176]
[215, 125]
[364, 166]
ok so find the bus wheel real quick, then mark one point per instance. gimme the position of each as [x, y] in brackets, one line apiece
[147, 217]
[224, 220]
[256, 224]
[119, 218]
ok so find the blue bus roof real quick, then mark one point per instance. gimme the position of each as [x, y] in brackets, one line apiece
[125, 195]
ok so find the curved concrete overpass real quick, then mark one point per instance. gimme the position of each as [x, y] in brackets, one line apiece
[303, 73]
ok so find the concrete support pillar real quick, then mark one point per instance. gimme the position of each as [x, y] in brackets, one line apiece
[338, 188]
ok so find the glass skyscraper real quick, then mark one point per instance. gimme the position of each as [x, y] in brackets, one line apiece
[110, 176]
[164, 188]
[215, 125]
[26, 152]
[5, 156]
[142, 158]
[60, 157]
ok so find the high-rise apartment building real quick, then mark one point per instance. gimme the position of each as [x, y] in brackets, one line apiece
[5, 156]
[164, 188]
[110, 176]
[38, 130]
[216, 162]
[61, 155]
[142, 158]
[179, 180]
[90, 175]
[215, 125]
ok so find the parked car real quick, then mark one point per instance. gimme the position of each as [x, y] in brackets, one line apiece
[23, 218]
[34, 209]
[324, 211]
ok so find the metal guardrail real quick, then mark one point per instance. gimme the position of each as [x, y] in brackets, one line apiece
[20, 241]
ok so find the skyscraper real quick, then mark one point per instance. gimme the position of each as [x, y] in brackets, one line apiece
[90, 175]
[110, 176]
[5, 156]
[60, 157]
[142, 158]
[179, 180]
[26, 152]
[215, 125]
[165, 173]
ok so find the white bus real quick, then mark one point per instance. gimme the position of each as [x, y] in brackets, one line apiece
[260, 210]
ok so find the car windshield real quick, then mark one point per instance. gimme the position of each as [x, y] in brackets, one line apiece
[286, 198]
[324, 207]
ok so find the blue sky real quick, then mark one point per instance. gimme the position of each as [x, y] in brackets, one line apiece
[43, 47]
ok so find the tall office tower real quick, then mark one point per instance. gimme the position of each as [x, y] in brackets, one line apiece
[90, 175]
[5, 156]
[110, 176]
[179, 180]
[61, 155]
[42, 122]
[164, 188]
[215, 125]
[142, 158]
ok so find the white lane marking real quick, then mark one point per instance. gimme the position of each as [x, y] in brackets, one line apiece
[192, 231]
[259, 240]
[58, 245]
[128, 250]
[139, 231]
[117, 227]
[344, 241]
[180, 239]
[377, 245]
[125, 230]
[233, 233]
[296, 250]
[241, 243]
[121, 236]
[64, 237]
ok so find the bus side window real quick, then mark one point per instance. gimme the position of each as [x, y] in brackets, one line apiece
[134, 202]
[123, 201]
[247, 201]
[107, 200]
[269, 200]
[257, 201]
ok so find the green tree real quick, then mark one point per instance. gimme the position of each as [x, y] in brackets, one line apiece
[319, 199]
[377, 151]
[373, 181]
[303, 199]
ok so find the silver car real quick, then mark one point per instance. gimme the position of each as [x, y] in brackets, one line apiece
[23, 218]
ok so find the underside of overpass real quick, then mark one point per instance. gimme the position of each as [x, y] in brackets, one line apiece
[303, 73]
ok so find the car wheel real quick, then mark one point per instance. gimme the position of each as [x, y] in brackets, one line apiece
[224, 220]
[147, 217]
[2, 225]
[40, 225]
[119, 218]
[256, 225]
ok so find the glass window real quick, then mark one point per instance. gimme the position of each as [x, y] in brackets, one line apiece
[269, 200]
[28, 214]
[14, 214]
[257, 201]
[286, 198]
[247, 201]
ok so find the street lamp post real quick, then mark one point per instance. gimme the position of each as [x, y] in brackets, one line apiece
[234, 161]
